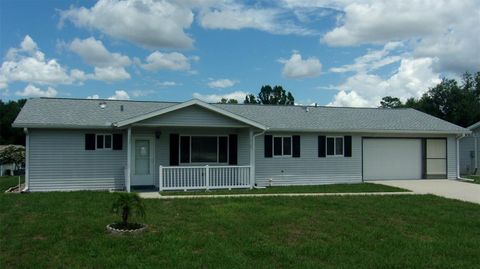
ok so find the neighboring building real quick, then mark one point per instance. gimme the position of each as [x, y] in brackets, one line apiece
[76, 144]
[470, 151]
[7, 169]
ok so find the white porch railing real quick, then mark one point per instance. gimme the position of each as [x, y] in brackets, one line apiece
[204, 177]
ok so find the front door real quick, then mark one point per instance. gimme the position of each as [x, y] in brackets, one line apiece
[143, 161]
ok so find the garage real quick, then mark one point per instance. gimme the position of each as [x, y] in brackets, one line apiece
[392, 159]
[404, 158]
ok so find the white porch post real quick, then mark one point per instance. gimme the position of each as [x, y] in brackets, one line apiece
[252, 158]
[129, 159]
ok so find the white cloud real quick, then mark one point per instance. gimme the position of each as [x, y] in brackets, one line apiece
[349, 99]
[412, 79]
[28, 64]
[167, 83]
[110, 74]
[153, 24]
[120, 95]
[95, 96]
[222, 83]
[383, 21]
[32, 91]
[446, 30]
[296, 67]
[141, 93]
[215, 98]
[3, 82]
[235, 17]
[166, 61]
[373, 60]
[94, 53]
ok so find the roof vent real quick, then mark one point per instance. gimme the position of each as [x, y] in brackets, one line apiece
[306, 109]
[102, 105]
[121, 107]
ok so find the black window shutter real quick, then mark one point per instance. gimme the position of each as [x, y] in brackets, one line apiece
[174, 149]
[347, 140]
[222, 149]
[89, 141]
[185, 149]
[117, 142]
[321, 146]
[268, 146]
[233, 149]
[296, 146]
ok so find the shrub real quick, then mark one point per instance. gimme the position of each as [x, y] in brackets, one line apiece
[127, 205]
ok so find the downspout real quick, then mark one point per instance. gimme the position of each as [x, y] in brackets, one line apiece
[458, 158]
[27, 158]
[254, 136]
[475, 151]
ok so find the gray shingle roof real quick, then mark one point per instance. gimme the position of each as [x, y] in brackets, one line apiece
[86, 113]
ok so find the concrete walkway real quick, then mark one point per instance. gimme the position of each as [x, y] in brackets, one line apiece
[156, 195]
[453, 189]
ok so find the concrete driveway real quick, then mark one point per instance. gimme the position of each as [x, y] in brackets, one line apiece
[453, 189]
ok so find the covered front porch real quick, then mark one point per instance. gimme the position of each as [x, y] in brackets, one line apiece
[191, 146]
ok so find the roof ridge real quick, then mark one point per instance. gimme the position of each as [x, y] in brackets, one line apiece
[223, 104]
[106, 99]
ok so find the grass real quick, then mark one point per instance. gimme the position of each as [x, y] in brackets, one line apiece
[7, 182]
[476, 179]
[361, 187]
[58, 230]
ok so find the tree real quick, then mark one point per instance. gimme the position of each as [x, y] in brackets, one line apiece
[458, 103]
[8, 112]
[13, 154]
[390, 102]
[128, 204]
[228, 101]
[250, 99]
[271, 96]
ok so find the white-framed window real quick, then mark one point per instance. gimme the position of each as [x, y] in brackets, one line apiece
[335, 145]
[103, 141]
[282, 146]
[203, 149]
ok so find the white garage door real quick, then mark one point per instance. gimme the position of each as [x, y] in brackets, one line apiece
[392, 159]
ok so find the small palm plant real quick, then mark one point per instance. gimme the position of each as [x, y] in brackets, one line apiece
[127, 205]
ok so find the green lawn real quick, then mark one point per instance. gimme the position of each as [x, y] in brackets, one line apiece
[7, 182]
[67, 230]
[361, 187]
[476, 179]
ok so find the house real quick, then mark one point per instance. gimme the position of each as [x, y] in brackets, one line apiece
[77, 144]
[470, 151]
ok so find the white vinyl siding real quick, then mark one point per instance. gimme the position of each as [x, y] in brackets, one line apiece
[308, 169]
[58, 161]
[468, 152]
[192, 116]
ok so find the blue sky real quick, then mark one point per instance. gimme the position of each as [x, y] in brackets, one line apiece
[331, 52]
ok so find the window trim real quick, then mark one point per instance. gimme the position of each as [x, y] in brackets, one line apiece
[335, 155]
[103, 134]
[190, 149]
[273, 146]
